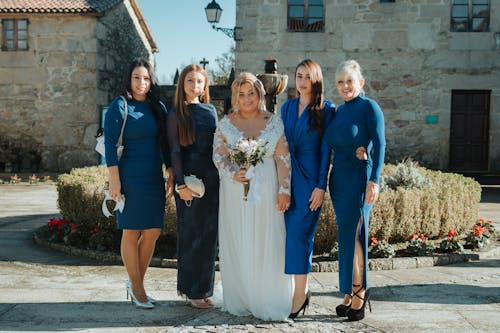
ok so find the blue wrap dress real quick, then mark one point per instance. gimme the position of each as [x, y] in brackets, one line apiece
[310, 159]
[358, 123]
[140, 167]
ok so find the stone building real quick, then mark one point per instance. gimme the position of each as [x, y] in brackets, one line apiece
[433, 66]
[61, 62]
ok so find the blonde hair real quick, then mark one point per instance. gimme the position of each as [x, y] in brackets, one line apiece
[350, 67]
[251, 79]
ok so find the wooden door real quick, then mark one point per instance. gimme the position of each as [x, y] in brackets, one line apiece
[469, 130]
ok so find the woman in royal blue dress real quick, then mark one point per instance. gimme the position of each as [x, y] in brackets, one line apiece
[191, 127]
[138, 174]
[305, 119]
[358, 141]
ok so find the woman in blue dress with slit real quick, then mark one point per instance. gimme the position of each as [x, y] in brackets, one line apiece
[305, 119]
[191, 128]
[358, 141]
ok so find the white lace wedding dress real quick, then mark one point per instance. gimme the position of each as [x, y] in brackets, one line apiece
[252, 233]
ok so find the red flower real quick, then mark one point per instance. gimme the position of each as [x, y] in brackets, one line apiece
[490, 221]
[73, 226]
[481, 219]
[374, 240]
[95, 230]
[452, 232]
[414, 237]
[477, 230]
[52, 223]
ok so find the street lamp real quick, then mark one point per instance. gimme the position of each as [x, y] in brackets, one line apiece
[213, 12]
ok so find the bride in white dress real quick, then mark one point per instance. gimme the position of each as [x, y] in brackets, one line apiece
[252, 232]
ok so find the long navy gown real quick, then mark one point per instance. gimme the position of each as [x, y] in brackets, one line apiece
[310, 157]
[140, 167]
[197, 224]
[358, 123]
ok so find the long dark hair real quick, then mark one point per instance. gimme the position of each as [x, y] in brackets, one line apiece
[184, 117]
[152, 98]
[316, 116]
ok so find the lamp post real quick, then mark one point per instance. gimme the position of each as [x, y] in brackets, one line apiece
[274, 83]
[213, 12]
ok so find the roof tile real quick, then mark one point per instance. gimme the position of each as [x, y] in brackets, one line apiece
[56, 6]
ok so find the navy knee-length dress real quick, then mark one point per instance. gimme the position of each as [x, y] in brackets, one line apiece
[357, 123]
[140, 167]
[197, 224]
[310, 157]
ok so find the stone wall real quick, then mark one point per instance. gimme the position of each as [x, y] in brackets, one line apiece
[47, 95]
[410, 58]
[51, 96]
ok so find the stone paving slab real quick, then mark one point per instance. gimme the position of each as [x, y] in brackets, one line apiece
[42, 290]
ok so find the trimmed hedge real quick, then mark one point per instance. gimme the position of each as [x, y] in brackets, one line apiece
[450, 201]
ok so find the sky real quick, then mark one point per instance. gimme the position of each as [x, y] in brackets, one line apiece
[183, 35]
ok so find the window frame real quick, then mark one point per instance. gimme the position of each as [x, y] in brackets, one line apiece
[306, 17]
[15, 34]
[470, 16]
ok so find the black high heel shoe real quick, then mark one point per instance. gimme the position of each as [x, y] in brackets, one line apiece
[342, 309]
[355, 315]
[294, 315]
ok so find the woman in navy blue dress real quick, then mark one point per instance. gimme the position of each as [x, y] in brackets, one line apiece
[358, 141]
[191, 128]
[305, 119]
[138, 174]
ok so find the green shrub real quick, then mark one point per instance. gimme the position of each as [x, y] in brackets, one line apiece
[407, 175]
[380, 249]
[80, 196]
[419, 246]
[444, 201]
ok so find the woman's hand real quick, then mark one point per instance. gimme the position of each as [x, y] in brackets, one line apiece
[115, 188]
[371, 192]
[316, 199]
[283, 202]
[169, 185]
[186, 194]
[240, 176]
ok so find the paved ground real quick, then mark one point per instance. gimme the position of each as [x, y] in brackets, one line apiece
[42, 290]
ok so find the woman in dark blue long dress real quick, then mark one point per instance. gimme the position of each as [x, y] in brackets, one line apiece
[305, 119]
[138, 174]
[191, 128]
[358, 141]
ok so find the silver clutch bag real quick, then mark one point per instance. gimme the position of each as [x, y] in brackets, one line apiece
[195, 184]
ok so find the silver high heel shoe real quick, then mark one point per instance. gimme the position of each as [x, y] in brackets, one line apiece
[135, 301]
[150, 299]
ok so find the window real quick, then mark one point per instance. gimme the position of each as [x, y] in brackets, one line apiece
[470, 15]
[306, 15]
[14, 35]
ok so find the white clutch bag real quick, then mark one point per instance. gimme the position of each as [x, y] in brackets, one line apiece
[195, 184]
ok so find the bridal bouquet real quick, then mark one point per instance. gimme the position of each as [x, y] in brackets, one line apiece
[247, 153]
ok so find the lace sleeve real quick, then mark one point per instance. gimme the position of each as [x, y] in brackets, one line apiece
[220, 156]
[283, 165]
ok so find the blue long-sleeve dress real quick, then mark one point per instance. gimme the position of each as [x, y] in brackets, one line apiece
[140, 167]
[310, 158]
[358, 123]
[197, 224]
